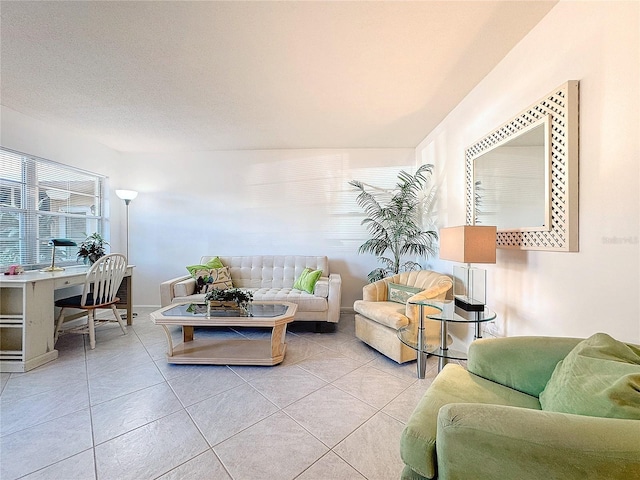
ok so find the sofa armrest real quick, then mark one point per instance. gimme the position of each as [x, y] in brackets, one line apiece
[521, 363]
[166, 289]
[495, 441]
[334, 298]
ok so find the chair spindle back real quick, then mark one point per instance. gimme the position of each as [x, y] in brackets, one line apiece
[104, 279]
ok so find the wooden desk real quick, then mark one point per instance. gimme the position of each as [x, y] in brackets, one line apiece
[27, 314]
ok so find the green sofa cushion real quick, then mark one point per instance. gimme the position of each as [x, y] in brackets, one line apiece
[307, 280]
[453, 385]
[495, 442]
[215, 262]
[600, 377]
[521, 363]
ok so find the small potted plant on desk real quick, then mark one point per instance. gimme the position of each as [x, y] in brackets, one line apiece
[229, 298]
[92, 248]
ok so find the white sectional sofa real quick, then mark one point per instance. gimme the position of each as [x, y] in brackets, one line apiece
[270, 277]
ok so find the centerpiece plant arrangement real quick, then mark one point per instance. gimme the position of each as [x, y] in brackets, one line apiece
[225, 297]
[92, 248]
[394, 224]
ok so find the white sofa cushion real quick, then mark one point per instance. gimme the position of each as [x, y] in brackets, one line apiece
[305, 301]
[187, 287]
[270, 271]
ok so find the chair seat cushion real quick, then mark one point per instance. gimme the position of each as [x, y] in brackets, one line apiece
[76, 301]
[453, 385]
[390, 314]
[306, 302]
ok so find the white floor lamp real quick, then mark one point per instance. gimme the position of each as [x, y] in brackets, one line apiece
[127, 196]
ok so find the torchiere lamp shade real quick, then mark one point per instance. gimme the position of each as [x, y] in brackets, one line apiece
[468, 244]
[127, 195]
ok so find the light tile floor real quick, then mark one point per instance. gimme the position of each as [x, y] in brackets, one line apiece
[334, 409]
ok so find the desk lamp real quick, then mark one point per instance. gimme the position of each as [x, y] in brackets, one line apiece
[469, 244]
[57, 242]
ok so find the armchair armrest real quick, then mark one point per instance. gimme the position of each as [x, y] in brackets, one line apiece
[375, 292]
[334, 298]
[166, 289]
[521, 363]
[496, 441]
[437, 292]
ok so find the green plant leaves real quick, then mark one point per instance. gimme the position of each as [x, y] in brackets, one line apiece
[394, 225]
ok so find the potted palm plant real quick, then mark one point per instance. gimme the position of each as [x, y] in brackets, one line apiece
[92, 248]
[395, 224]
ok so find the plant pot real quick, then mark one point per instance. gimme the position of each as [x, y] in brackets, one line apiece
[91, 259]
[217, 304]
[242, 310]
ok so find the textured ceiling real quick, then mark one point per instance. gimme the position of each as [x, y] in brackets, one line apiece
[177, 75]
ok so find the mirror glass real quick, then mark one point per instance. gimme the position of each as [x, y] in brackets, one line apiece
[511, 181]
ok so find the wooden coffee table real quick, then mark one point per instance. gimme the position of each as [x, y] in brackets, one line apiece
[222, 351]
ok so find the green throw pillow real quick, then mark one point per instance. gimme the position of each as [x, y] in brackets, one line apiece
[400, 293]
[600, 377]
[215, 262]
[307, 280]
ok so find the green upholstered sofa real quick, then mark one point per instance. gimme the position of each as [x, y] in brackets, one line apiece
[486, 421]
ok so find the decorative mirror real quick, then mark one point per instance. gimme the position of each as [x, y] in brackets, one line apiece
[523, 176]
[511, 181]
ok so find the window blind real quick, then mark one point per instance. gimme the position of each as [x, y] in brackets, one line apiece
[40, 200]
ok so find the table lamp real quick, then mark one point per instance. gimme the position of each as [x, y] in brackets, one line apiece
[469, 244]
[57, 242]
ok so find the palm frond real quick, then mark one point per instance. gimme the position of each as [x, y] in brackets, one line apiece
[409, 266]
[394, 222]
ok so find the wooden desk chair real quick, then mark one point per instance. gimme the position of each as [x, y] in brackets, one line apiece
[100, 288]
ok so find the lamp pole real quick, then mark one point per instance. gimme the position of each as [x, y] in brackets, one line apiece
[127, 196]
[127, 201]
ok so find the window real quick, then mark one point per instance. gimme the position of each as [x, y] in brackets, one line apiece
[41, 200]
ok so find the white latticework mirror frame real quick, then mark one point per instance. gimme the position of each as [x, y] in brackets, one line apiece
[562, 107]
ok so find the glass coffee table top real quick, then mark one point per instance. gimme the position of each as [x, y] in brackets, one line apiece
[443, 312]
[200, 310]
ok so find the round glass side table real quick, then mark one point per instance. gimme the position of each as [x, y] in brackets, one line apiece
[445, 312]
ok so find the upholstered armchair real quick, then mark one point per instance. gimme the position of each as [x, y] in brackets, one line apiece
[385, 308]
[530, 408]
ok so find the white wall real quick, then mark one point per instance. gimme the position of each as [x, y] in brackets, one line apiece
[42, 139]
[226, 203]
[248, 203]
[596, 289]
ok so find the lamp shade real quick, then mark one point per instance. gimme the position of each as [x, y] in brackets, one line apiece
[126, 194]
[62, 242]
[468, 244]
